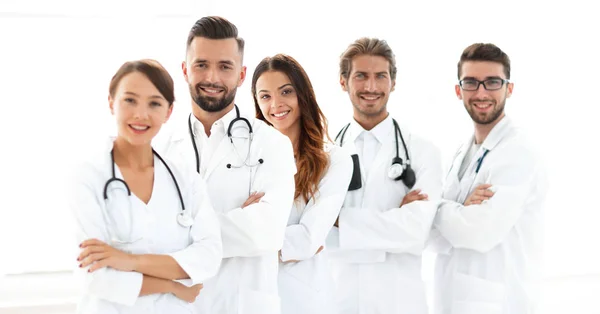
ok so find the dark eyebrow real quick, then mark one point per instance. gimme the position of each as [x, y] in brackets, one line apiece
[284, 85]
[153, 96]
[279, 88]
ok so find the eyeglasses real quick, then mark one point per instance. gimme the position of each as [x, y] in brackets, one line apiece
[489, 84]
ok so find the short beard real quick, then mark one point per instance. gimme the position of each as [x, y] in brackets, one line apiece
[493, 116]
[212, 104]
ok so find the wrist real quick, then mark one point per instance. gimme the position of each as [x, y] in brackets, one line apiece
[135, 262]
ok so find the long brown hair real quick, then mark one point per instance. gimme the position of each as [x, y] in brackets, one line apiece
[311, 159]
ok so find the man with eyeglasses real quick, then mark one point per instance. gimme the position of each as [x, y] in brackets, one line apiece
[487, 229]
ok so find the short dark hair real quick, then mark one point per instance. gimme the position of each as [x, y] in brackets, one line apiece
[367, 46]
[215, 27]
[484, 52]
[153, 70]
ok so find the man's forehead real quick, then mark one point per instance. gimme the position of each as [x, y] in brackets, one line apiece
[482, 69]
[214, 49]
[370, 63]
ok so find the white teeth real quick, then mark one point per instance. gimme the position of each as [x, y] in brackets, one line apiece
[281, 114]
[482, 106]
[139, 127]
[370, 97]
[213, 91]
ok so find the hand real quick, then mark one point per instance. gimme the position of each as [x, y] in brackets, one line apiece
[99, 254]
[253, 199]
[480, 194]
[414, 195]
[185, 293]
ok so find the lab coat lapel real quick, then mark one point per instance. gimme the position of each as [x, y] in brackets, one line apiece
[224, 149]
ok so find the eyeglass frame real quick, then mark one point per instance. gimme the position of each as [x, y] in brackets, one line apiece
[504, 82]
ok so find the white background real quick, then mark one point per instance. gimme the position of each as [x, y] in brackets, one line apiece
[57, 58]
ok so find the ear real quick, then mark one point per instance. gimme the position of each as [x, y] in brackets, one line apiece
[344, 83]
[111, 105]
[509, 89]
[242, 76]
[393, 85]
[184, 70]
[169, 112]
[458, 91]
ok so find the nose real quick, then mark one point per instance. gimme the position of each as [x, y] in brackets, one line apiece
[370, 85]
[141, 112]
[481, 91]
[277, 101]
[210, 76]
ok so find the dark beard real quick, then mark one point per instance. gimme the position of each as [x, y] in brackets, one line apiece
[493, 116]
[212, 104]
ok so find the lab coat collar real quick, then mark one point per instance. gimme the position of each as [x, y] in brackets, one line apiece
[380, 131]
[497, 133]
[198, 127]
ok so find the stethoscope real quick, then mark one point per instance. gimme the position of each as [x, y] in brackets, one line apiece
[398, 170]
[183, 219]
[238, 118]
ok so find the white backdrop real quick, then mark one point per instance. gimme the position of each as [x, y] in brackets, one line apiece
[57, 58]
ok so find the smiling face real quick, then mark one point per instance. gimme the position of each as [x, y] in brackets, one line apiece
[278, 100]
[484, 106]
[213, 71]
[369, 85]
[139, 108]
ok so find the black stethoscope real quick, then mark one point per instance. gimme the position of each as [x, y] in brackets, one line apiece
[399, 170]
[238, 118]
[183, 219]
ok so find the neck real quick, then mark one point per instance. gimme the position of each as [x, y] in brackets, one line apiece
[293, 133]
[483, 130]
[133, 156]
[209, 118]
[369, 122]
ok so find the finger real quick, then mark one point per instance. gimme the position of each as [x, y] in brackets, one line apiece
[93, 258]
[423, 196]
[89, 242]
[483, 186]
[98, 265]
[319, 250]
[488, 193]
[89, 250]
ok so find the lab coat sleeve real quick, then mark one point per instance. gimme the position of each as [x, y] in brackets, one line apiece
[85, 199]
[259, 228]
[302, 240]
[482, 227]
[397, 230]
[201, 260]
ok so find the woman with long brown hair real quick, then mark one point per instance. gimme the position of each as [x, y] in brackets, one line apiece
[284, 98]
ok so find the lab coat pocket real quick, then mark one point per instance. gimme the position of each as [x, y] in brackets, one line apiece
[301, 274]
[474, 295]
[258, 302]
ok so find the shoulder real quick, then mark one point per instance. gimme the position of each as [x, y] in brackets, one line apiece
[92, 164]
[338, 156]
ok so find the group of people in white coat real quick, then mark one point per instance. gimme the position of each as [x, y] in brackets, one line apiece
[231, 213]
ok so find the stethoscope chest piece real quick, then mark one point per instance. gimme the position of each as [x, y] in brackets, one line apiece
[396, 169]
[185, 220]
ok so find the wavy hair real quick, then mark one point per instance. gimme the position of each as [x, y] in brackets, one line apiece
[311, 159]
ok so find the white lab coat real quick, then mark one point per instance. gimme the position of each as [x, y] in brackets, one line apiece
[376, 251]
[488, 254]
[252, 236]
[149, 228]
[306, 286]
